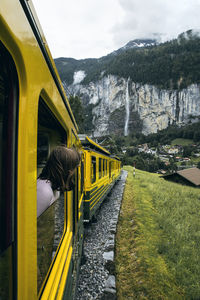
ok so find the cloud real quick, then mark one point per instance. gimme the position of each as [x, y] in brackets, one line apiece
[93, 28]
[145, 18]
[83, 28]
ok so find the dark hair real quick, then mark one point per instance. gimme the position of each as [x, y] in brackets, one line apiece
[59, 166]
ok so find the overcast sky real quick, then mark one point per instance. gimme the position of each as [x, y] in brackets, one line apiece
[94, 28]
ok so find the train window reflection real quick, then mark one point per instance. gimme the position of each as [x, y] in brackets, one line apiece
[50, 229]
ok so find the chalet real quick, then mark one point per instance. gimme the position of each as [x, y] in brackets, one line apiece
[187, 177]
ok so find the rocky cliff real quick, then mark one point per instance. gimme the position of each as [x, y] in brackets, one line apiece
[141, 87]
[121, 106]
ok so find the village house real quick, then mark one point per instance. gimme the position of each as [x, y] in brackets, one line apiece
[187, 177]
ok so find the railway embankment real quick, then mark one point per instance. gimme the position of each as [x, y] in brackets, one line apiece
[97, 275]
[157, 242]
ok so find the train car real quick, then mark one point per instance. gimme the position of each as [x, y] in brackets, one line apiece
[115, 167]
[101, 172]
[39, 257]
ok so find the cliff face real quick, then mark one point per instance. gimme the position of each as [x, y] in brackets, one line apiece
[129, 100]
[121, 106]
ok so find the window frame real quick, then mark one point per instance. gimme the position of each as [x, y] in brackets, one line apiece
[61, 138]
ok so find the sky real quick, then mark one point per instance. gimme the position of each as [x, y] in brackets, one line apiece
[93, 28]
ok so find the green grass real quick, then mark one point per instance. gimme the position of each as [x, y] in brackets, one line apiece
[195, 160]
[158, 240]
[182, 142]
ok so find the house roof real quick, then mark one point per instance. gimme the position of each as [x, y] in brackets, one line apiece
[192, 175]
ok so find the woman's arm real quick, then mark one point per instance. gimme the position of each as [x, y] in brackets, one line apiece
[45, 196]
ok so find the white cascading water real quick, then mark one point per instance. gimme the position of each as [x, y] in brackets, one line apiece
[127, 110]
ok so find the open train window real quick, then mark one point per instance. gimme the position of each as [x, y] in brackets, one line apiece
[93, 169]
[42, 149]
[8, 169]
[51, 222]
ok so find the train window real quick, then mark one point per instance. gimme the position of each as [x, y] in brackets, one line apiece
[50, 224]
[93, 169]
[100, 167]
[8, 144]
[103, 167]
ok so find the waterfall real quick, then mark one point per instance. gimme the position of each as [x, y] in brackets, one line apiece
[127, 110]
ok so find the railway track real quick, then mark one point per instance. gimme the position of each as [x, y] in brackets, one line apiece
[96, 278]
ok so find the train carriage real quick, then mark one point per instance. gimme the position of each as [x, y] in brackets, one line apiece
[38, 257]
[101, 172]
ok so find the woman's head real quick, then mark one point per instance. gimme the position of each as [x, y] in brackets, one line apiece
[60, 167]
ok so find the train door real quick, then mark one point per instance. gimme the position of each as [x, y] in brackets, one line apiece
[8, 173]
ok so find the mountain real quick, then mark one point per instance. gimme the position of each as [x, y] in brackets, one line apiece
[135, 44]
[67, 67]
[141, 87]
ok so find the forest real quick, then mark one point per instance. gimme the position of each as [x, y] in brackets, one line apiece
[171, 65]
[174, 64]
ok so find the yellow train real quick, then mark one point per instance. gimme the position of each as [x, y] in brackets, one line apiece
[40, 258]
[101, 172]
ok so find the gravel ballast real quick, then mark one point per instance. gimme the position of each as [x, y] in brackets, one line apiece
[96, 277]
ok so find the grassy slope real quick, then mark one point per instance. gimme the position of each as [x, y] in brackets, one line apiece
[182, 142]
[158, 240]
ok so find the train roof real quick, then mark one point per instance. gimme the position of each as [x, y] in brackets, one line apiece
[115, 157]
[92, 145]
